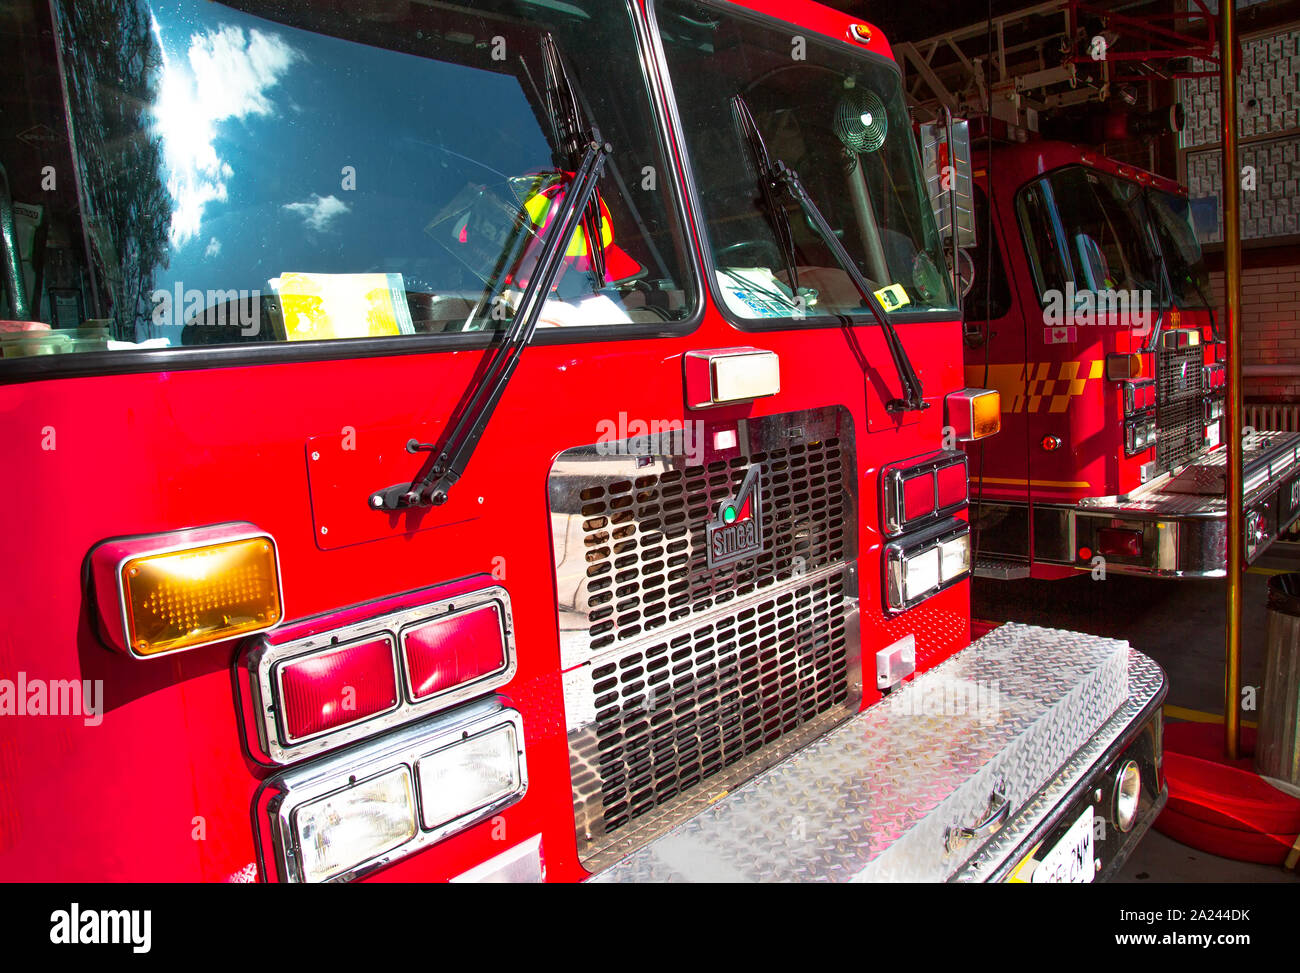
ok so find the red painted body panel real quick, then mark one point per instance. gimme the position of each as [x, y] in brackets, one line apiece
[161, 789]
[171, 450]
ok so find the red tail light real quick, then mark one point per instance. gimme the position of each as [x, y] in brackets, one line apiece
[918, 497]
[453, 650]
[344, 685]
[952, 485]
[922, 491]
[1119, 542]
[331, 680]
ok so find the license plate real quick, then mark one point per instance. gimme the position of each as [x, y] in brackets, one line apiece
[1072, 860]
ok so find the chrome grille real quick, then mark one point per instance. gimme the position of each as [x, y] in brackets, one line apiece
[1179, 417]
[660, 728]
[682, 679]
[629, 522]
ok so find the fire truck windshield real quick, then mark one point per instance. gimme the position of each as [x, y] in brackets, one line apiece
[836, 117]
[274, 171]
[1172, 222]
[1101, 233]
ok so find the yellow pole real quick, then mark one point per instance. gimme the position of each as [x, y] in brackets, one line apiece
[1232, 297]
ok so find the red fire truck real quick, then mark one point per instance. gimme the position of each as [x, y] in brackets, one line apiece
[506, 443]
[1090, 311]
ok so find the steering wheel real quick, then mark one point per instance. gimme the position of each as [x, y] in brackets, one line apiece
[763, 248]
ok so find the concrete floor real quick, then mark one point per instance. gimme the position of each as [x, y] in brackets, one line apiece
[1180, 625]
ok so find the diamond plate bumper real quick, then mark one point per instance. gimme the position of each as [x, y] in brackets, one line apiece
[1025, 715]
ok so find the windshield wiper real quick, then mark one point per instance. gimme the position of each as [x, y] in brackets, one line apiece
[452, 454]
[776, 215]
[773, 176]
[573, 132]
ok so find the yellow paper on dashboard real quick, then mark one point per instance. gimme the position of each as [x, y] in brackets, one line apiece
[318, 307]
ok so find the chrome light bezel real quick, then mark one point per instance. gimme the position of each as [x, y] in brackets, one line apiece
[896, 553]
[1131, 406]
[280, 796]
[1147, 423]
[261, 663]
[1126, 789]
[893, 478]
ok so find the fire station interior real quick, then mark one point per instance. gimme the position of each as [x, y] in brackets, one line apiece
[1137, 83]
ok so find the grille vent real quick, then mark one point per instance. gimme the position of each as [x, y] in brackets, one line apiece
[714, 702]
[1179, 413]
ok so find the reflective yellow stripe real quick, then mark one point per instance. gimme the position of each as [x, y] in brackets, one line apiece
[1199, 716]
[1037, 483]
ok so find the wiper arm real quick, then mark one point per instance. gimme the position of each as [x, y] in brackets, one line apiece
[774, 176]
[776, 215]
[452, 454]
[573, 133]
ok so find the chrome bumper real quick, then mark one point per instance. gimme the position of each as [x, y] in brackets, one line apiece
[1183, 516]
[907, 791]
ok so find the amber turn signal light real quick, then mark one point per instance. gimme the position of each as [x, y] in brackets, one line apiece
[181, 590]
[973, 413]
[1122, 368]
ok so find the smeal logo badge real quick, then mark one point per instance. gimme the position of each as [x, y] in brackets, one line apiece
[736, 530]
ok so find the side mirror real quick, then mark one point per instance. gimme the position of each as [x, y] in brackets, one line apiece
[965, 273]
[946, 162]
[945, 159]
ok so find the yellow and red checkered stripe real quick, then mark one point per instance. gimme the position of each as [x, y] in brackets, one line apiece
[1025, 386]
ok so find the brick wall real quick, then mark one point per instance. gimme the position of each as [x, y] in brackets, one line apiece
[1270, 327]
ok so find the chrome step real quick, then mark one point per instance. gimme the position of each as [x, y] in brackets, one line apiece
[1001, 568]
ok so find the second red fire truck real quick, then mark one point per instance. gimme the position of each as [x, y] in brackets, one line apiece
[1091, 312]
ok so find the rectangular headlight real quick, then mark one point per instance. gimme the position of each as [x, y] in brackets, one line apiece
[468, 775]
[954, 558]
[926, 563]
[344, 815]
[920, 573]
[355, 824]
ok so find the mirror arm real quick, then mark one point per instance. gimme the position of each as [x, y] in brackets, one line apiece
[9, 255]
